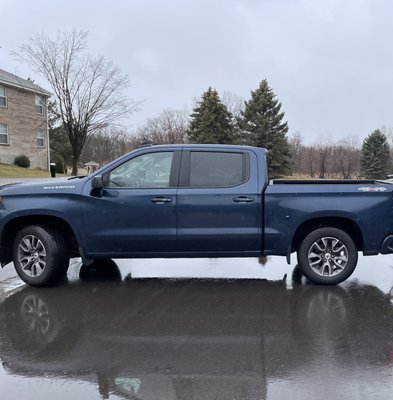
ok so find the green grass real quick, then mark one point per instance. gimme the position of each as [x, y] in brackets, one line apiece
[13, 171]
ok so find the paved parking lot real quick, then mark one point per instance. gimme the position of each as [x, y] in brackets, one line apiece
[201, 329]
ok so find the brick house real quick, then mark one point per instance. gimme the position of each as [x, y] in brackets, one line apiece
[23, 121]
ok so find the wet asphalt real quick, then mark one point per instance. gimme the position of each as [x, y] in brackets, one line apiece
[198, 329]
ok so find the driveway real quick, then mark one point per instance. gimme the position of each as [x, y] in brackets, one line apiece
[199, 329]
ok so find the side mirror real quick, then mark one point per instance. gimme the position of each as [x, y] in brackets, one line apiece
[97, 183]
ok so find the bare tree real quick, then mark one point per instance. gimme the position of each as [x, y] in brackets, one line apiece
[310, 157]
[107, 145]
[296, 144]
[89, 91]
[326, 159]
[388, 132]
[233, 102]
[324, 154]
[346, 155]
[169, 127]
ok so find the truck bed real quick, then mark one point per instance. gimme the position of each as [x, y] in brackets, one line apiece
[326, 182]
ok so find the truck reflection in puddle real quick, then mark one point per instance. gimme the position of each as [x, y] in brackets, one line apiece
[192, 339]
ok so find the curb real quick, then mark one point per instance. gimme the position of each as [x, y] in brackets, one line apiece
[7, 272]
[9, 281]
[9, 287]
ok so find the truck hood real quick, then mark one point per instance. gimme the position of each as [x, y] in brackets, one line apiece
[47, 186]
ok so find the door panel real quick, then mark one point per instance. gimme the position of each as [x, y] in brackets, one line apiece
[219, 220]
[131, 221]
[136, 212]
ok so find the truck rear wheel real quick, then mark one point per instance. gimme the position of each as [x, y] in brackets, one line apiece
[327, 256]
[40, 255]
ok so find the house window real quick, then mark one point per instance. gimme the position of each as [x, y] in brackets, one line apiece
[39, 105]
[3, 134]
[3, 97]
[40, 138]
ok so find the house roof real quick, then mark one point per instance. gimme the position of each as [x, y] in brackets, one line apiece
[9, 79]
[92, 164]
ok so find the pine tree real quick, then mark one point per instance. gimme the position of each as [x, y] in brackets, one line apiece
[211, 121]
[374, 159]
[261, 124]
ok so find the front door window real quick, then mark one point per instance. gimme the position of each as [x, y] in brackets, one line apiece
[151, 170]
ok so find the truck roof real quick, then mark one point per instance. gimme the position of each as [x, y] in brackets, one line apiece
[202, 146]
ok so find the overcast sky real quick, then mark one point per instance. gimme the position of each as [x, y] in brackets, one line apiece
[330, 63]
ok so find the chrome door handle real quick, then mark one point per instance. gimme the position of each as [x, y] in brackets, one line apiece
[243, 199]
[161, 200]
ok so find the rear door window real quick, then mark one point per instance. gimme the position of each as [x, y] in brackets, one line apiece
[217, 169]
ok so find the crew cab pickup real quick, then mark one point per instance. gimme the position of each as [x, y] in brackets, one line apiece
[193, 201]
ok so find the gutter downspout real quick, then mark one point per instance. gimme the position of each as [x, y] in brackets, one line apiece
[47, 132]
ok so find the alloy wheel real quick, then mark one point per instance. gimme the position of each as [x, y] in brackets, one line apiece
[328, 256]
[32, 256]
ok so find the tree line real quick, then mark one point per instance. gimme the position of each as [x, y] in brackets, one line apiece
[257, 122]
[346, 159]
[89, 101]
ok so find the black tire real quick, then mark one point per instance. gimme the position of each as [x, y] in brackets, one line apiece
[100, 269]
[327, 256]
[40, 255]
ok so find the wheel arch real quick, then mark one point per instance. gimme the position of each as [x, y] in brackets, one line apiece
[345, 224]
[16, 224]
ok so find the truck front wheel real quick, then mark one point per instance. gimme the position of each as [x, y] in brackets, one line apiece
[327, 256]
[40, 255]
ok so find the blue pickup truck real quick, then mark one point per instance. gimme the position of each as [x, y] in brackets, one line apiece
[193, 201]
